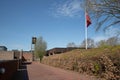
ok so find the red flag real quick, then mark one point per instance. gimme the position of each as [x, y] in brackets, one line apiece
[88, 21]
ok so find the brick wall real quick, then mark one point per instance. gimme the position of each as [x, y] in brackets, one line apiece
[6, 55]
[27, 56]
[10, 67]
[10, 55]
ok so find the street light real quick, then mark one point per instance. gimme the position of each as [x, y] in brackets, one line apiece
[34, 40]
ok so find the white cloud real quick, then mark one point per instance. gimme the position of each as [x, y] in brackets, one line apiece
[70, 8]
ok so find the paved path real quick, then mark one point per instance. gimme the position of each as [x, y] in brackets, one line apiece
[37, 71]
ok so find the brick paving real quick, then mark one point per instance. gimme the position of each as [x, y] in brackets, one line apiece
[37, 71]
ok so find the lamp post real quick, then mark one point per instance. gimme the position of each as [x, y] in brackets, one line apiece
[34, 39]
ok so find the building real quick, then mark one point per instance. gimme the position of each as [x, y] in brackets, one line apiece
[3, 48]
[59, 50]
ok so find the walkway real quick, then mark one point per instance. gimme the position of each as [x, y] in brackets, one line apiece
[37, 71]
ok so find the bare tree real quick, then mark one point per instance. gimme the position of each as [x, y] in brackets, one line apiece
[102, 43]
[72, 44]
[90, 43]
[40, 48]
[104, 11]
[113, 41]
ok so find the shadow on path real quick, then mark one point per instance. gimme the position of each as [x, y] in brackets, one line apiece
[22, 73]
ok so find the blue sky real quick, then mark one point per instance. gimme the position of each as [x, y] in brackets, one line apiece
[59, 22]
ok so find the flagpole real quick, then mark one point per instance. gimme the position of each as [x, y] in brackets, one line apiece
[87, 23]
[86, 46]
